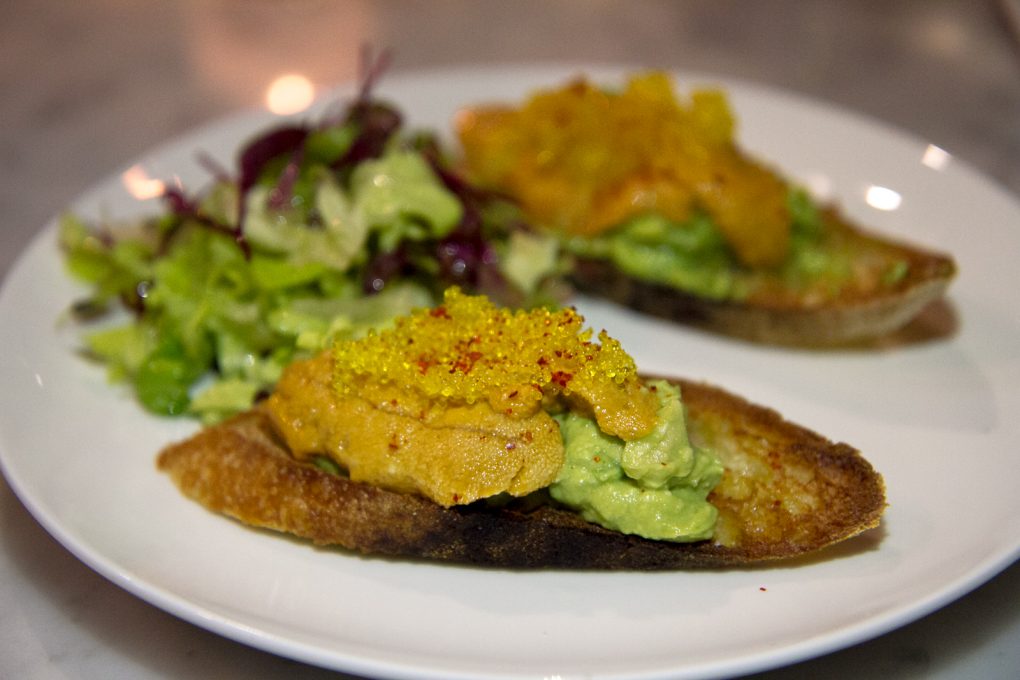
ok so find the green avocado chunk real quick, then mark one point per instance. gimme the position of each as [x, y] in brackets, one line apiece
[655, 487]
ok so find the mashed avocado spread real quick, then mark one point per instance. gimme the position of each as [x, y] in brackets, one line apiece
[466, 401]
[654, 486]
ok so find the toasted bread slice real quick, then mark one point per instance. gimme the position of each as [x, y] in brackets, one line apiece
[584, 161]
[865, 308]
[786, 491]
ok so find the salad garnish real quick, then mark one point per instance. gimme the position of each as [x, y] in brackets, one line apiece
[324, 229]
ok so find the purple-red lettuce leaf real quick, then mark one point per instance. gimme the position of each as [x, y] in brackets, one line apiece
[253, 160]
[376, 122]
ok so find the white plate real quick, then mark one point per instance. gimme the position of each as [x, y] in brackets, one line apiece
[938, 418]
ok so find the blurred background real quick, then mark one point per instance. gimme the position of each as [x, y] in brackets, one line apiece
[87, 86]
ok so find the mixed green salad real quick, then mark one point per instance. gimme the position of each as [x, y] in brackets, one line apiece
[325, 230]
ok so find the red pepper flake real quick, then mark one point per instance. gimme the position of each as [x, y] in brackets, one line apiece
[465, 363]
[561, 378]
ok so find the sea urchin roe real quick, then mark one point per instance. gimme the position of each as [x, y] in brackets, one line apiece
[386, 437]
[467, 350]
[454, 402]
[582, 159]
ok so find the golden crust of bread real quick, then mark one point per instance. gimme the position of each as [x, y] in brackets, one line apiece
[786, 491]
[782, 317]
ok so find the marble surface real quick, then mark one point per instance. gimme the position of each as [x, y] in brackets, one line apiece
[87, 87]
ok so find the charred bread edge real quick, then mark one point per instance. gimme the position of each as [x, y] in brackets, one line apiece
[240, 468]
[842, 322]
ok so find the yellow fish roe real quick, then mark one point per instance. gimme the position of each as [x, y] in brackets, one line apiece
[467, 350]
[583, 159]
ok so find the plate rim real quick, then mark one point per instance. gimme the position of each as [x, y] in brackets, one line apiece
[218, 624]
